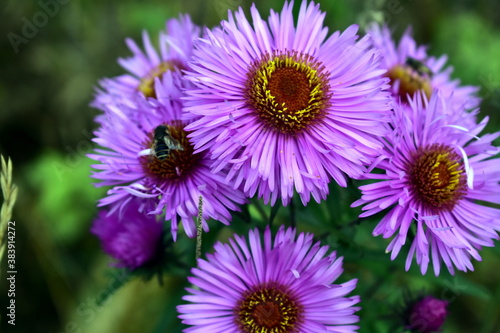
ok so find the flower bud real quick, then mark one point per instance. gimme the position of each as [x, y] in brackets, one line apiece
[427, 315]
[131, 237]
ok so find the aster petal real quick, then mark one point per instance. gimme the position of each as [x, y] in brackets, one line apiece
[244, 267]
[271, 163]
[455, 233]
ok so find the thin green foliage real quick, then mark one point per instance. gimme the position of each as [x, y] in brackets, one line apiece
[9, 191]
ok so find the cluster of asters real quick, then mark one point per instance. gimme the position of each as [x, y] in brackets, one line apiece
[277, 107]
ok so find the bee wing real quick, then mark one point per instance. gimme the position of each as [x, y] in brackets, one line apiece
[172, 143]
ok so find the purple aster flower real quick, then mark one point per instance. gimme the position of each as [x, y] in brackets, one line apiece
[280, 285]
[285, 107]
[175, 44]
[147, 154]
[426, 315]
[132, 238]
[435, 173]
[410, 69]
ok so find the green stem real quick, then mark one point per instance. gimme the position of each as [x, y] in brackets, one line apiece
[261, 210]
[292, 214]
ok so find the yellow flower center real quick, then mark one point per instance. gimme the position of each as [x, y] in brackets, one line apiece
[437, 176]
[147, 85]
[268, 310]
[288, 91]
[412, 76]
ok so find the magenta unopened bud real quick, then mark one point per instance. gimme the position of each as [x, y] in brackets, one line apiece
[130, 237]
[427, 315]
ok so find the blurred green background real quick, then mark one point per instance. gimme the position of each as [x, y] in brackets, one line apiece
[46, 84]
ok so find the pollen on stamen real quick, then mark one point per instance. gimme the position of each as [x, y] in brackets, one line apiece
[268, 309]
[437, 177]
[411, 77]
[288, 91]
[147, 85]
